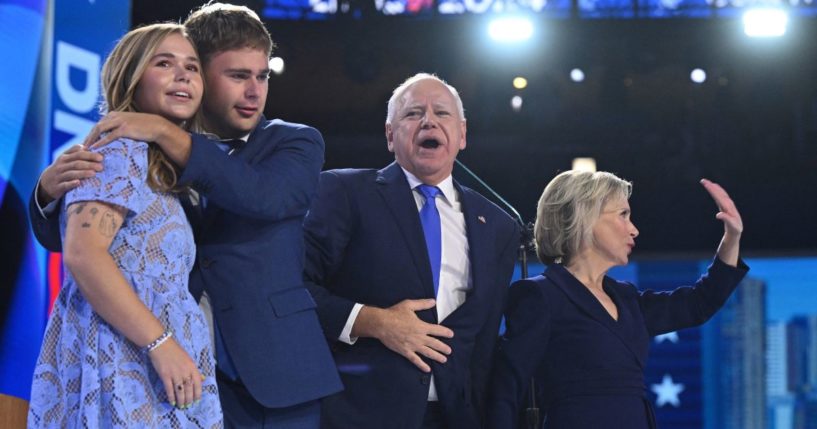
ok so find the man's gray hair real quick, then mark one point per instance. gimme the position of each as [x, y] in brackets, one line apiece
[398, 92]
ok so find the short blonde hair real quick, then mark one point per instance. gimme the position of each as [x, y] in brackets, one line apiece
[568, 209]
[398, 92]
[121, 73]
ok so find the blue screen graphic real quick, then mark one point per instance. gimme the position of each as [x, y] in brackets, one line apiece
[559, 9]
[49, 94]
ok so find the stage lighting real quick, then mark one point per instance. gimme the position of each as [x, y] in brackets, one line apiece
[516, 103]
[510, 29]
[698, 76]
[276, 65]
[520, 82]
[584, 164]
[765, 22]
[577, 75]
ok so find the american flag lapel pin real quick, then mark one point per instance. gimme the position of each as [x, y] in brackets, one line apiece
[481, 219]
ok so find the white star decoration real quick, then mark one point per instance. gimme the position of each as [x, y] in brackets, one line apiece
[667, 392]
[671, 336]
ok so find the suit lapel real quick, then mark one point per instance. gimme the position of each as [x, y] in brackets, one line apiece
[477, 230]
[481, 254]
[191, 202]
[245, 152]
[587, 303]
[394, 189]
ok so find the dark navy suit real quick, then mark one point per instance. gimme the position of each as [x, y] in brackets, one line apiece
[249, 259]
[365, 244]
[589, 367]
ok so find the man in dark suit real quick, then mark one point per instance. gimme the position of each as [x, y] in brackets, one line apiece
[251, 187]
[410, 272]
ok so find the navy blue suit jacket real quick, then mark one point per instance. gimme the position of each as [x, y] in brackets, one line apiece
[589, 367]
[249, 258]
[365, 244]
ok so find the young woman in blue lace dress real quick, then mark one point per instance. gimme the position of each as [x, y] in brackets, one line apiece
[126, 344]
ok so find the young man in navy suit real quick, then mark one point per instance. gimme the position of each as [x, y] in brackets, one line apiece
[410, 272]
[252, 182]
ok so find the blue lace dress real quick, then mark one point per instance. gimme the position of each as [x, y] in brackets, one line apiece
[90, 375]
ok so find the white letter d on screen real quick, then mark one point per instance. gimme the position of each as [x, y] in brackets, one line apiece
[79, 100]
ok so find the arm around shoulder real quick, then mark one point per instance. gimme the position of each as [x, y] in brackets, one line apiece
[46, 228]
[279, 181]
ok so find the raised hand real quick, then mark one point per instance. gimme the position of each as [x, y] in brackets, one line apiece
[732, 222]
[728, 212]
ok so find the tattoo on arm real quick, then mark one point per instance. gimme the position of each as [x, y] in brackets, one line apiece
[78, 209]
[93, 211]
[107, 224]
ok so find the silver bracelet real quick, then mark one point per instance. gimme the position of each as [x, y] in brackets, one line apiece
[159, 341]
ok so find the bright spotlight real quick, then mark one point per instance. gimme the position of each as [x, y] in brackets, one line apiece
[510, 29]
[276, 65]
[765, 22]
[698, 76]
[584, 164]
[520, 82]
[516, 103]
[577, 75]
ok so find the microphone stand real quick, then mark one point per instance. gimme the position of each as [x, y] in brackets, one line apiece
[526, 245]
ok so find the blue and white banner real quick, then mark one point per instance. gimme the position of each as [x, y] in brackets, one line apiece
[48, 101]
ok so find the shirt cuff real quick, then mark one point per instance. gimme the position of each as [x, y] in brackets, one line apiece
[49, 209]
[345, 334]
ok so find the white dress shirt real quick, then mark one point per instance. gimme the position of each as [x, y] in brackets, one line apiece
[455, 269]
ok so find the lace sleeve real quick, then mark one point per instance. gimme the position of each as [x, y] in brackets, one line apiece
[122, 179]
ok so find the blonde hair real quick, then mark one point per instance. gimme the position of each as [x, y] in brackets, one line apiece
[567, 210]
[121, 73]
[398, 92]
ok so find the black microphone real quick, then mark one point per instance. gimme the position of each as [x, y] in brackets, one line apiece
[526, 228]
[526, 244]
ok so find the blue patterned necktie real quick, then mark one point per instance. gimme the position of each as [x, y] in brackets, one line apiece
[228, 147]
[430, 218]
[231, 145]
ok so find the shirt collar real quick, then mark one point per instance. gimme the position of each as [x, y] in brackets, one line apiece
[212, 136]
[446, 186]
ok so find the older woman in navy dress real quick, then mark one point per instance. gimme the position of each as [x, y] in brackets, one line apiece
[584, 336]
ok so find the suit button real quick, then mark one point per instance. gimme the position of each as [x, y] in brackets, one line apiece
[206, 263]
[425, 379]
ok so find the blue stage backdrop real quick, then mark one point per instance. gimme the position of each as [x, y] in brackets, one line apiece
[50, 93]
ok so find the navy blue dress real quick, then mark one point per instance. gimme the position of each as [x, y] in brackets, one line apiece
[589, 367]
